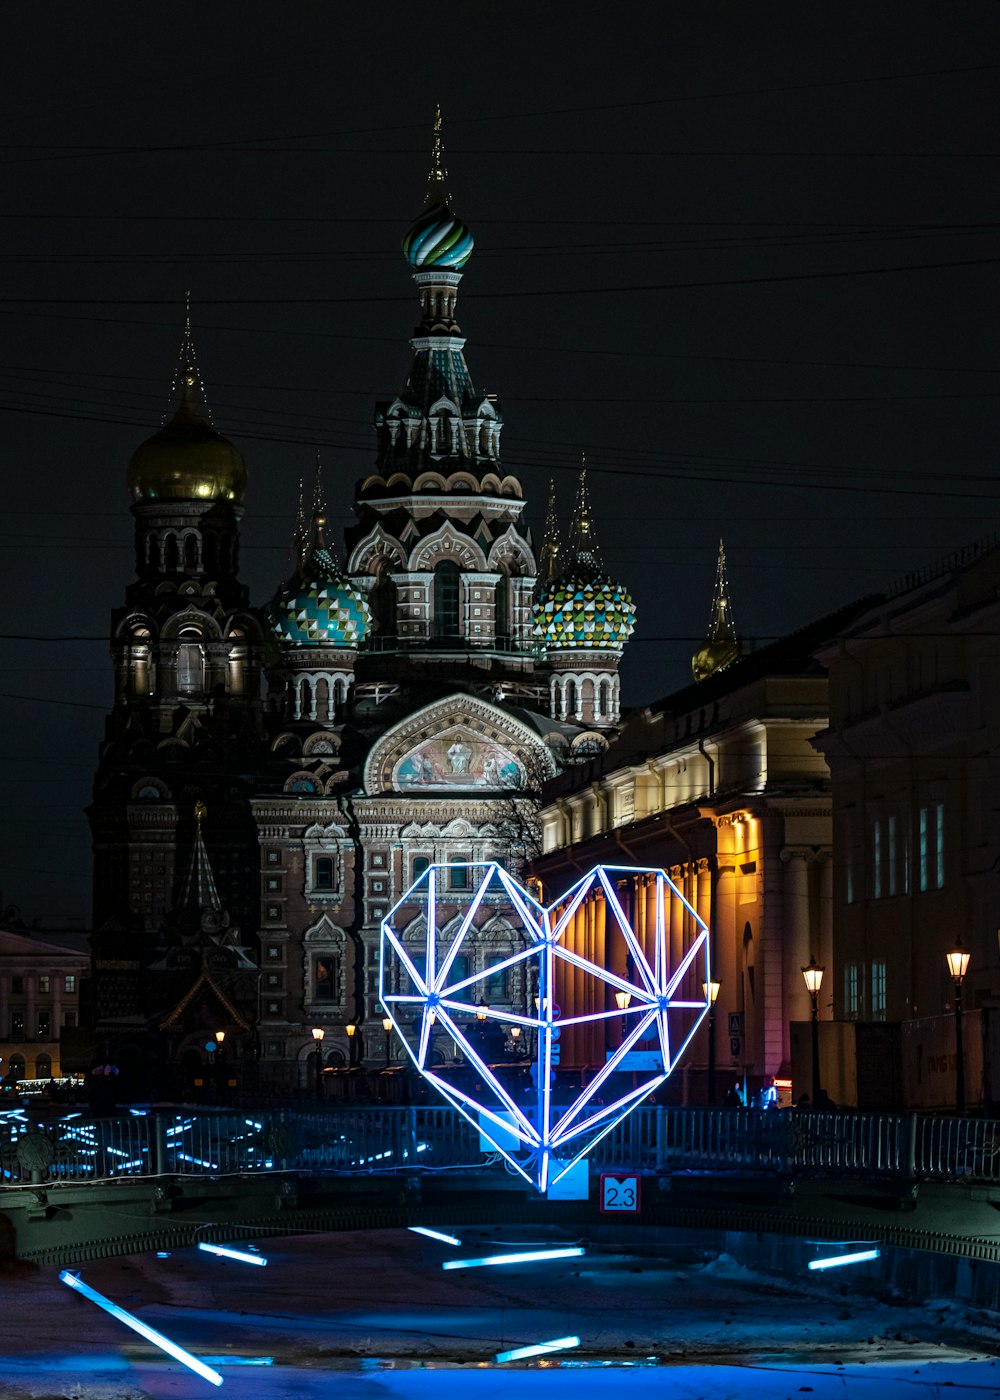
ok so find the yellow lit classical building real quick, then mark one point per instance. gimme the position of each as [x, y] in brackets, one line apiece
[720, 785]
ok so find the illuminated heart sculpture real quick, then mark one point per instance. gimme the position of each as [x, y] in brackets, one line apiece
[430, 986]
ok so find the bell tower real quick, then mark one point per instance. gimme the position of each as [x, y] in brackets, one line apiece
[185, 721]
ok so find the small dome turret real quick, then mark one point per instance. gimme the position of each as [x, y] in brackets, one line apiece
[437, 238]
[583, 607]
[319, 606]
[187, 460]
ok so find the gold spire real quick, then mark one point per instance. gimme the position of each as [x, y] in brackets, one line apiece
[721, 646]
[319, 504]
[550, 540]
[582, 535]
[187, 387]
[300, 536]
[437, 179]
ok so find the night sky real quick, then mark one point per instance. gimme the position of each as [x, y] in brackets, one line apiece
[744, 256]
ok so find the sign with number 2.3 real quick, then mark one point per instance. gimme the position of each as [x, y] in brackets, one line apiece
[620, 1193]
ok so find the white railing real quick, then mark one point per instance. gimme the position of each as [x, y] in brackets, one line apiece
[76, 1147]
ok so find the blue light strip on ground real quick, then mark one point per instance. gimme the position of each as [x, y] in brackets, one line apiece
[542, 1349]
[157, 1338]
[571, 1252]
[835, 1262]
[233, 1254]
[433, 1234]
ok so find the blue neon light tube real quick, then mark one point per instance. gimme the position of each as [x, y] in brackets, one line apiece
[150, 1333]
[232, 1254]
[836, 1261]
[433, 1234]
[542, 1349]
[528, 1257]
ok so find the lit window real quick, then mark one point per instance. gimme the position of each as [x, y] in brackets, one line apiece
[923, 850]
[70, 985]
[44, 1025]
[878, 991]
[325, 979]
[939, 845]
[851, 991]
[43, 982]
[877, 859]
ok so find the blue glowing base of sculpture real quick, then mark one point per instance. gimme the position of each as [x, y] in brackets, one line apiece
[435, 977]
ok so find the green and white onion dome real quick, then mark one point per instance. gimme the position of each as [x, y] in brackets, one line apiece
[319, 606]
[437, 238]
[584, 608]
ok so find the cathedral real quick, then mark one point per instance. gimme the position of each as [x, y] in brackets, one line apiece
[274, 778]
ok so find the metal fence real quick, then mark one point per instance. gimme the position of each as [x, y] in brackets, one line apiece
[37, 1147]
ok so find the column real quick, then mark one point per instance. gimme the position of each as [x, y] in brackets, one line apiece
[30, 1009]
[824, 953]
[796, 940]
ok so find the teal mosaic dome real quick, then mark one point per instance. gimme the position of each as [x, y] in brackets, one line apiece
[438, 239]
[319, 606]
[584, 609]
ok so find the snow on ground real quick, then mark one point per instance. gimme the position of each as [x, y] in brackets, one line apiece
[374, 1314]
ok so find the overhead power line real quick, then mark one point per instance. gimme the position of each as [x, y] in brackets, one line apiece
[768, 280]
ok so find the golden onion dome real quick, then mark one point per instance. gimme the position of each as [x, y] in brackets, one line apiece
[187, 460]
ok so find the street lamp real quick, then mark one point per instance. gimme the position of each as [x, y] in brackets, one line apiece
[711, 990]
[351, 1029]
[481, 1012]
[958, 966]
[217, 1061]
[317, 1034]
[387, 1027]
[812, 975]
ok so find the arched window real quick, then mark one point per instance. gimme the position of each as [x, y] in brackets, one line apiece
[43, 1066]
[190, 662]
[15, 1066]
[502, 608]
[190, 552]
[420, 864]
[171, 559]
[570, 699]
[323, 871]
[383, 604]
[447, 600]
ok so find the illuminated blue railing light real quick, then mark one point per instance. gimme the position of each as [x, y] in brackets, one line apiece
[836, 1261]
[529, 1256]
[433, 1234]
[144, 1330]
[542, 1349]
[238, 1254]
[197, 1161]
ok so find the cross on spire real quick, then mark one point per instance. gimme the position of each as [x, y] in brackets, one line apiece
[582, 534]
[438, 177]
[187, 387]
[721, 627]
[550, 540]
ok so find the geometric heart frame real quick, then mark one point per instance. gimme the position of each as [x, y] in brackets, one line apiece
[439, 992]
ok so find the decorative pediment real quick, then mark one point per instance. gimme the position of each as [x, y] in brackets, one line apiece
[460, 744]
[324, 931]
[513, 553]
[372, 550]
[448, 543]
[319, 832]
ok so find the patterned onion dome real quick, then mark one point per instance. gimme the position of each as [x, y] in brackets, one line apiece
[187, 460]
[438, 239]
[319, 606]
[584, 608]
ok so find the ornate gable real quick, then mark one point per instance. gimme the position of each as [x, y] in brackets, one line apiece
[459, 744]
